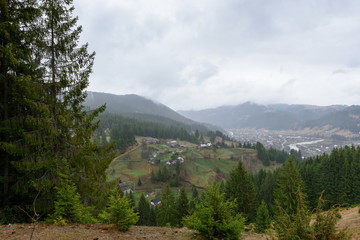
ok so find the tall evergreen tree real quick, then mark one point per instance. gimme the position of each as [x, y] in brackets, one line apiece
[289, 185]
[24, 123]
[167, 211]
[144, 211]
[182, 206]
[239, 187]
[67, 67]
[263, 219]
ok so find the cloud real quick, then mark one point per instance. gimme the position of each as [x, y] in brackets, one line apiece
[206, 53]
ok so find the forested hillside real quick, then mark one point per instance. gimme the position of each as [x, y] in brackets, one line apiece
[137, 107]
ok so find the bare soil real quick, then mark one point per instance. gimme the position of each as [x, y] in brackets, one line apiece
[102, 232]
[350, 220]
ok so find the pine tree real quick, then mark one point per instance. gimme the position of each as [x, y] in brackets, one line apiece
[139, 183]
[239, 187]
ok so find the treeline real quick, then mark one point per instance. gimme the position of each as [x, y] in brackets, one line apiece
[336, 175]
[122, 130]
[266, 155]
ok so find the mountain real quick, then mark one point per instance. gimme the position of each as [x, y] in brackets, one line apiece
[141, 108]
[348, 118]
[279, 116]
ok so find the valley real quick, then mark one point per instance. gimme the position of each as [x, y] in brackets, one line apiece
[310, 142]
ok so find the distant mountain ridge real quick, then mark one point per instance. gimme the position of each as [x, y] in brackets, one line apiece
[279, 116]
[141, 108]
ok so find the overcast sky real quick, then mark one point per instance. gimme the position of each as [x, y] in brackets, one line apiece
[196, 54]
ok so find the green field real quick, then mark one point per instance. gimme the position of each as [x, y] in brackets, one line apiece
[201, 167]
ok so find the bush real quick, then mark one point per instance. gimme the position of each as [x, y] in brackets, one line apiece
[213, 217]
[119, 212]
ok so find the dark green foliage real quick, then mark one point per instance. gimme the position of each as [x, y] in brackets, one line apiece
[182, 207]
[153, 217]
[123, 138]
[214, 217]
[240, 188]
[166, 214]
[129, 127]
[45, 131]
[262, 154]
[139, 183]
[336, 174]
[144, 211]
[263, 219]
[119, 212]
[289, 184]
[68, 207]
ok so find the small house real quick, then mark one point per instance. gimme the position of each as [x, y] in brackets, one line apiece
[155, 201]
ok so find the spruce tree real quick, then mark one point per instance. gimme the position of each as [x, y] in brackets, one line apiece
[289, 185]
[263, 219]
[182, 207]
[239, 187]
[144, 211]
[67, 66]
[24, 120]
[214, 217]
[167, 212]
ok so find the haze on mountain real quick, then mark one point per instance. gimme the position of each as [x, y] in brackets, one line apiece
[193, 55]
[280, 116]
[246, 115]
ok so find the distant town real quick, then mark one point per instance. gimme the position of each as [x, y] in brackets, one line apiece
[309, 145]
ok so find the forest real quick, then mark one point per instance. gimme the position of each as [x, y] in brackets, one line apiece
[54, 170]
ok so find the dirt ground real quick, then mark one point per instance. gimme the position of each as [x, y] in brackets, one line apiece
[350, 219]
[102, 232]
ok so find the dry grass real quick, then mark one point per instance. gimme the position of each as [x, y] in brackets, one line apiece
[350, 220]
[103, 232]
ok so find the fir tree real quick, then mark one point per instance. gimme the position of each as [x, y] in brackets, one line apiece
[144, 211]
[119, 212]
[182, 207]
[167, 212]
[288, 187]
[239, 187]
[263, 219]
[213, 217]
